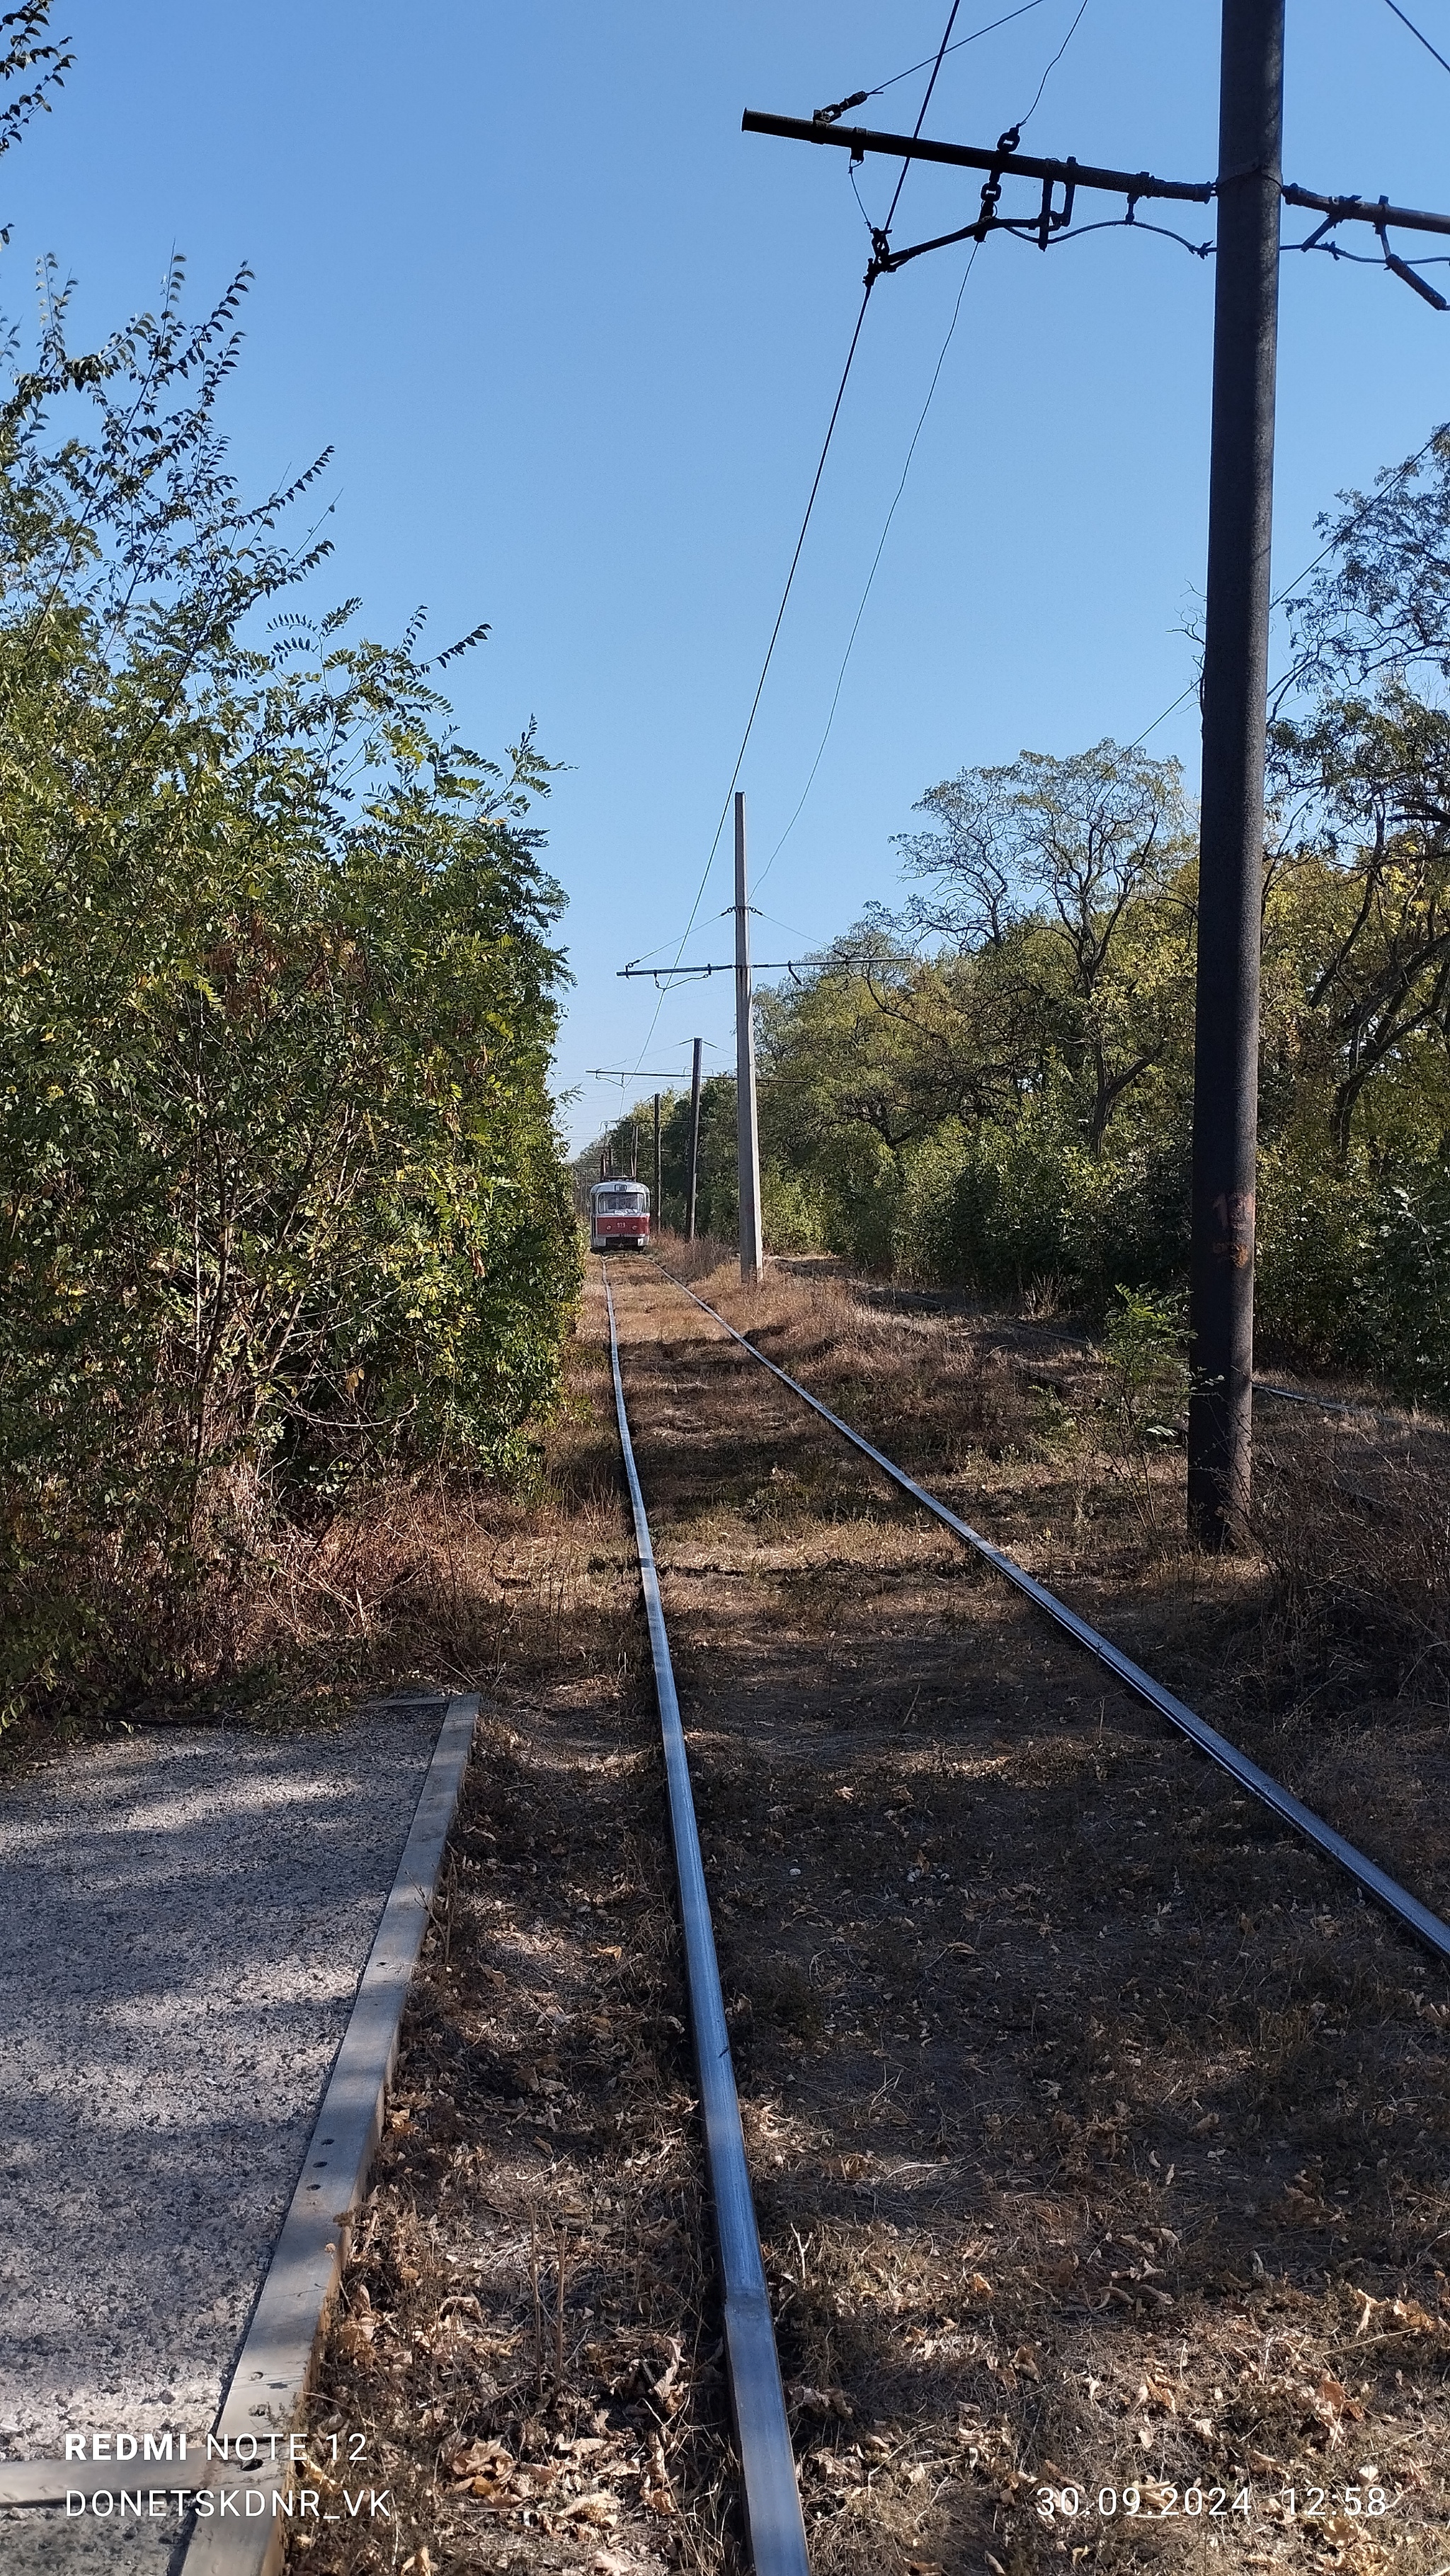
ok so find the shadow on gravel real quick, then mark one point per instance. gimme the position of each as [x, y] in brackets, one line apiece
[186, 1920]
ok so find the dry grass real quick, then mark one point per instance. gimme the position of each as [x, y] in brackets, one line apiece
[1099, 2134]
[1352, 1519]
[437, 1580]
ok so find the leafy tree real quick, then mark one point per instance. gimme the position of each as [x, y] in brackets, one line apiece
[1046, 867]
[1376, 774]
[281, 1200]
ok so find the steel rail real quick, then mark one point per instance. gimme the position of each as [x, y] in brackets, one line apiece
[1400, 1421]
[1376, 1882]
[767, 2458]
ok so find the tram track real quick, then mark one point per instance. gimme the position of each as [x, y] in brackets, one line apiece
[1097, 2129]
[1417, 1918]
[767, 2464]
[980, 2280]
[1143, 2292]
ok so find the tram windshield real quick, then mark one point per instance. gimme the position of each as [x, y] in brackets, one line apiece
[620, 1198]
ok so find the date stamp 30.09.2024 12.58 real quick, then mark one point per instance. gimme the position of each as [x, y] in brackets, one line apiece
[1155, 2501]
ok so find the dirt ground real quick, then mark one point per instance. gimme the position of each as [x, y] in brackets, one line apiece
[1098, 2130]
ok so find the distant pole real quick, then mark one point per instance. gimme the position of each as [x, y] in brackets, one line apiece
[655, 1201]
[693, 1173]
[634, 1149]
[747, 1138]
[1235, 691]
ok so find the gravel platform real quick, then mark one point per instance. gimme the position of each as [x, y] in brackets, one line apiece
[186, 1919]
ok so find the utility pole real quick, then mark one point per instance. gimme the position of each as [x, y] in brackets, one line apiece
[1248, 190]
[747, 1139]
[634, 1150]
[1235, 693]
[655, 1201]
[693, 1172]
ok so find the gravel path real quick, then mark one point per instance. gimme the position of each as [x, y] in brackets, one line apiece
[186, 1919]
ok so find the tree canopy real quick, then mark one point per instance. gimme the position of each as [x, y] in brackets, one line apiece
[282, 1203]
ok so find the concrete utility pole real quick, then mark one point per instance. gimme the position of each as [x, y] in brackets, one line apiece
[655, 1201]
[692, 1175]
[747, 1140]
[1248, 192]
[1235, 691]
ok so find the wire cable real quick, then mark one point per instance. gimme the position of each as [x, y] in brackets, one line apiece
[1110, 224]
[805, 524]
[1414, 30]
[941, 56]
[989, 30]
[871, 576]
[1052, 66]
[769, 654]
[1315, 561]
[911, 451]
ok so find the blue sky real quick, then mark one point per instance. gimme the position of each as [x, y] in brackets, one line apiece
[575, 338]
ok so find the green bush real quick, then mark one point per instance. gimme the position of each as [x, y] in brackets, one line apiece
[284, 1207]
[1007, 1207]
[1354, 1271]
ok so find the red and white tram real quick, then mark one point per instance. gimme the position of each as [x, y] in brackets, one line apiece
[618, 1216]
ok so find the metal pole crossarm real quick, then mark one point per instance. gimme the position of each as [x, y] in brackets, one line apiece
[1132, 184]
[763, 966]
[1365, 210]
[859, 139]
[773, 966]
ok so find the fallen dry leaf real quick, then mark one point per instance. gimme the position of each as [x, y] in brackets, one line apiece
[819, 2401]
[482, 2459]
[600, 2507]
[1156, 2495]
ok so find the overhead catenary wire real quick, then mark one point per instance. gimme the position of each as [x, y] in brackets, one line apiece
[871, 575]
[1041, 229]
[805, 524]
[770, 648]
[1418, 32]
[861, 96]
[1052, 66]
[1280, 596]
[916, 433]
